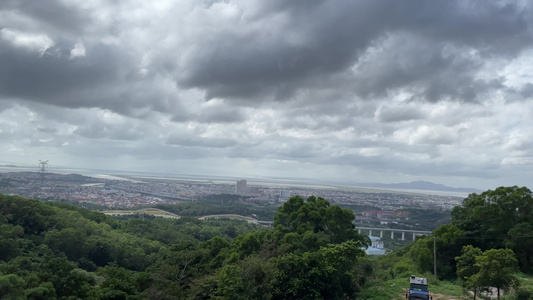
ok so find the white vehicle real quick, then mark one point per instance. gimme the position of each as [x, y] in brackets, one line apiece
[418, 288]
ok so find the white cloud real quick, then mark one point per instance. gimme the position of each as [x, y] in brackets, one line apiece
[77, 51]
[34, 42]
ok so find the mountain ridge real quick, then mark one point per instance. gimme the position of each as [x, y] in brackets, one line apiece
[421, 185]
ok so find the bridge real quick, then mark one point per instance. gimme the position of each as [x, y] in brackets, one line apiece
[392, 231]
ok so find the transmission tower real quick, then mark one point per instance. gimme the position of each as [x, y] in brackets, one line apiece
[42, 168]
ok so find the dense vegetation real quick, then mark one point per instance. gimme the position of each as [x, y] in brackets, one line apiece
[490, 237]
[53, 250]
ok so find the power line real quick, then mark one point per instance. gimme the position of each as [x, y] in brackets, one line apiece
[490, 237]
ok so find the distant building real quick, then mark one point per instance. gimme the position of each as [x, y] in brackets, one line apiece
[254, 190]
[242, 186]
[401, 215]
[384, 215]
[284, 195]
[376, 248]
[109, 191]
[370, 213]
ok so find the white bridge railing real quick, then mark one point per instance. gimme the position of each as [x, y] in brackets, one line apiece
[392, 231]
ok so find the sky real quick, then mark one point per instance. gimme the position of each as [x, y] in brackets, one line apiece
[344, 91]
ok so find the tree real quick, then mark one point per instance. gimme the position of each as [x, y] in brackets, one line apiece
[496, 269]
[448, 242]
[250, 278]
[217, 247]
[520, 239]
[329, 273]
[317, 216]
[231, 283]
[44, 291]
[492, 214]
[174, 274]
[497, 219]
[467, 269]
[11, 287]
[67, 279]
[116, 281]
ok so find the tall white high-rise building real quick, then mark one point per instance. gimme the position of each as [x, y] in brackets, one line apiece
[284, 195]
[242, 186]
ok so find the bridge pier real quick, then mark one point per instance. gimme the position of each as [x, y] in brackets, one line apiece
[381, 234]
[403, 236]
[370, 232]
[414, 236]
[359, 230]
[392, 235]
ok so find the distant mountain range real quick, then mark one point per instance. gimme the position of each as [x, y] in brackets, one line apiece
[421, 185]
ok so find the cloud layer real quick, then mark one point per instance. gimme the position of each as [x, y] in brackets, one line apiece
[345, 91]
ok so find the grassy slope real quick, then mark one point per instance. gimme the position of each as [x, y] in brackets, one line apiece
[526, 281]
[396, 289]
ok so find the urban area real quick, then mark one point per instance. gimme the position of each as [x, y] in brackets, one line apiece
[373, 208]
[130, 191]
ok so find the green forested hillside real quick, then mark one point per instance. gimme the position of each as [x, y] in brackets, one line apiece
[50, 251]
[488, 241]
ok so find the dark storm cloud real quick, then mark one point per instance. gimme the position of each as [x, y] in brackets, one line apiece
[5, 105]
[51, 76]
[527, 91]
[323, 38]
[519, 93]
[273, 60]
[221, 113]
[104, 78]
[197, 141]
[489, 26]
[316, 123]
[427, 69]
[279, 148]
[46, 130]
[118, 132]
[399, 114]
[56, 15]
[277, 49]
[143, 150]
[326, 116]
[105, 75]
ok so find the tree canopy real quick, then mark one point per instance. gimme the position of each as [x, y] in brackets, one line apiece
[57, 251]
[480, 271]
[497, 219]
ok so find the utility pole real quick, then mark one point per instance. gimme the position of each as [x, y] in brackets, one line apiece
[434, 257]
